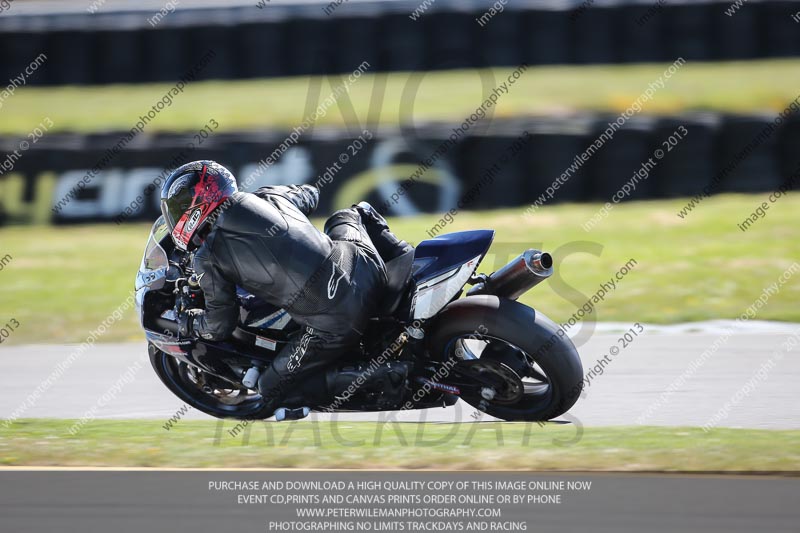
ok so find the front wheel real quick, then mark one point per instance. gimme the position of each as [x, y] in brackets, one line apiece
[206, 392]
[511, 360]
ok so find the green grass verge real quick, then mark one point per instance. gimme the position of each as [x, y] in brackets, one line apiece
[451, 95]
[63, 281]
[367, 445]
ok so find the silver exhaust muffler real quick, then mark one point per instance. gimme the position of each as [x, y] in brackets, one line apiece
[523, 273]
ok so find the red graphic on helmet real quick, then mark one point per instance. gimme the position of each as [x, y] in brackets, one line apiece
[207, 197]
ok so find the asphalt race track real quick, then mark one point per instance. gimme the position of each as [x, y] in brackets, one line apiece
[751, 370]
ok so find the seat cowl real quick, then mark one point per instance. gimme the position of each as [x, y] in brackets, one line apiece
[446, 252]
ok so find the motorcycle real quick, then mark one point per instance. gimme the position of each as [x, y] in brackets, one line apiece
[478, 344]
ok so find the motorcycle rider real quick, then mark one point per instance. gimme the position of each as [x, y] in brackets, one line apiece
[263, 242]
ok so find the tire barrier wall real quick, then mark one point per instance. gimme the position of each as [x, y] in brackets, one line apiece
[512, 163]
[302, 39]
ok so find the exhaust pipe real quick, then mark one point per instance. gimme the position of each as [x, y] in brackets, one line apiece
[523, 273]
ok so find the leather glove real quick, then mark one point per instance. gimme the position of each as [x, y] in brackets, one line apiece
[186, 323]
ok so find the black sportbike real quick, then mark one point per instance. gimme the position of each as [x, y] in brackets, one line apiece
[478, 344]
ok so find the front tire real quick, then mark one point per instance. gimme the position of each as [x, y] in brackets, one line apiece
[204, 392]
[510, 329]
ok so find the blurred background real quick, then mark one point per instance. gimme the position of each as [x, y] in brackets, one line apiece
[471, 109]
[258, 72]
[651, 138]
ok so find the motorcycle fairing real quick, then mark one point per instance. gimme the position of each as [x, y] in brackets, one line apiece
[442, 266]
[155, 262]
[441, 254]
[153, 269]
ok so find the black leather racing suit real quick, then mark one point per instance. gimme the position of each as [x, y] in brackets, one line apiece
[327, 282]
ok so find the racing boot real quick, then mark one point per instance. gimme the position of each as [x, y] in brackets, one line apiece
[283, 413]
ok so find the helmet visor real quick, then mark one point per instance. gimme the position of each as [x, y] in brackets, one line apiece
[174, 207]
[171, 216]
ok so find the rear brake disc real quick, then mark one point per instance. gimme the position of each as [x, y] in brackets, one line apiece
[507, 384]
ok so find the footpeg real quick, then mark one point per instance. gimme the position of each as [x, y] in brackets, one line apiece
[250, 379]
[282, 413]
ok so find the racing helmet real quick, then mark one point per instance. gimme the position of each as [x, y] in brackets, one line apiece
[191, 194]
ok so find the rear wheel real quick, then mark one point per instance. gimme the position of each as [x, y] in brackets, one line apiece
[206, 392]
[512, 363]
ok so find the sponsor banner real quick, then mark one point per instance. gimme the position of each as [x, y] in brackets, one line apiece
[433, 169]
[50, 185]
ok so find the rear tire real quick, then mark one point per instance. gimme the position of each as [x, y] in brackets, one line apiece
[499, 319]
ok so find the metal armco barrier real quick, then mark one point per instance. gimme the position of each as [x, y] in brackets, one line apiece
[389, 169]
[301, 39]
